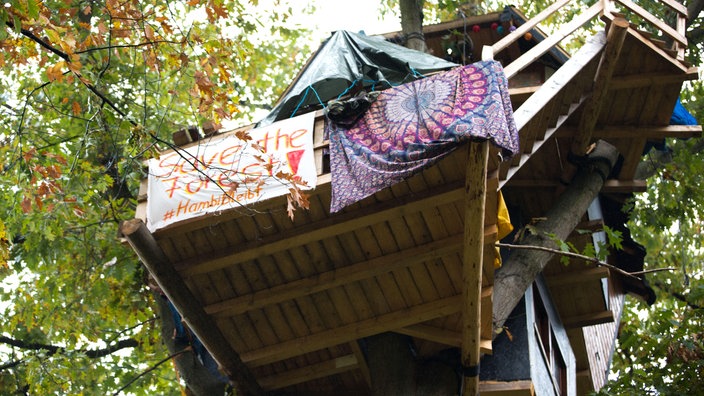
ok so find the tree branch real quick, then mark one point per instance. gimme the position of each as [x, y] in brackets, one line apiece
[11, 364]
[678, 296]
[583, 257]
[54, 349]
[39, 41]
[142, 44]
[67, 58]
[152, 368]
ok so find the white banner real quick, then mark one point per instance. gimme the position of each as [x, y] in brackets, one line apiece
[227, 172]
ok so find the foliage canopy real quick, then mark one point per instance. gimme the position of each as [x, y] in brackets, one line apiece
[91, 90]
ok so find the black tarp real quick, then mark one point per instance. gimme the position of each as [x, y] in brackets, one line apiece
[346, 59]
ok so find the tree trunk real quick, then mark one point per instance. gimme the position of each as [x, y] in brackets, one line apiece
[412, 23]
[521, 268]
[391, 364]
[395, 371]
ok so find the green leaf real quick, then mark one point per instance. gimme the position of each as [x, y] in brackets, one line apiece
[33, 9]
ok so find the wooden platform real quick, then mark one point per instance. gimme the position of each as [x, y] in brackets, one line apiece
[293, 299]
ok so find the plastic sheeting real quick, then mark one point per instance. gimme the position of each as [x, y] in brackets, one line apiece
[346, 59]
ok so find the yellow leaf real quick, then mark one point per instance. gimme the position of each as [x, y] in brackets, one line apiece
[69, 43]
[53, 35]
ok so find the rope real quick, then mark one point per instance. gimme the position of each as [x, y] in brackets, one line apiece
[305, 95]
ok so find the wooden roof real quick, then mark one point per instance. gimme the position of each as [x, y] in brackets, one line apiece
[292, 298]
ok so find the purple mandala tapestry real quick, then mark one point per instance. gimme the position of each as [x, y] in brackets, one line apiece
[412, 126]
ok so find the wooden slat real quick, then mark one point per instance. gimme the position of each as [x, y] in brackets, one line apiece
[588, 319]
[665, 56]
[676, 6]
[522, 30]
[334, 225]
[569, 279]
[652, 79]
[552, 40]
[643, 13]
[610, 186]
[327, 280]
[304, 374]
[507, 388]
[630, 132]
[347, 333]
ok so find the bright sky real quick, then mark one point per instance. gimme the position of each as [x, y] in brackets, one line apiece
[354, 15]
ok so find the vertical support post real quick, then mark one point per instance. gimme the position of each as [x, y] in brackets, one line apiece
[472, 255]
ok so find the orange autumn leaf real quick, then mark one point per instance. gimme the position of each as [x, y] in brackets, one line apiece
[55, 72]
[26, 205]
[76, 108]
[149, 32]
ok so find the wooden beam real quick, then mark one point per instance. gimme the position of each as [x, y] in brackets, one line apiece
[335, 278]
[653, 79]
[507, 388]
[525, 28]
[340, 335]
[665, 28]
[624, 186]
[329, 227]
[441, 336]
[175, 289]
[610, 186]
[314, 371]
[685, 67]
[444, 336]
[432, 333]
[630, 132]
[472, 262]
[588, 319]
[677, 7]
[570, 279]
[361, 362]
[552, 40]
[592, 109]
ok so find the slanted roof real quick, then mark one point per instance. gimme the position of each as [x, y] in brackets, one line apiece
[349, 59]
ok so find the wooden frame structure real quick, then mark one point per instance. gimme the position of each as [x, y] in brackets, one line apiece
[282, 304]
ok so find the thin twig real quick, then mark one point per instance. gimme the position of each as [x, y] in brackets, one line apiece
[585, 258]
[152, 368]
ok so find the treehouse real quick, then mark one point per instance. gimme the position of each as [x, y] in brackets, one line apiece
[284, 305]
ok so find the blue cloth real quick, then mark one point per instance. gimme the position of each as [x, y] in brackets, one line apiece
[681, 116]
[182, 336]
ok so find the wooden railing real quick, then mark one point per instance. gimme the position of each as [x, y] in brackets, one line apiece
[607, 10]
